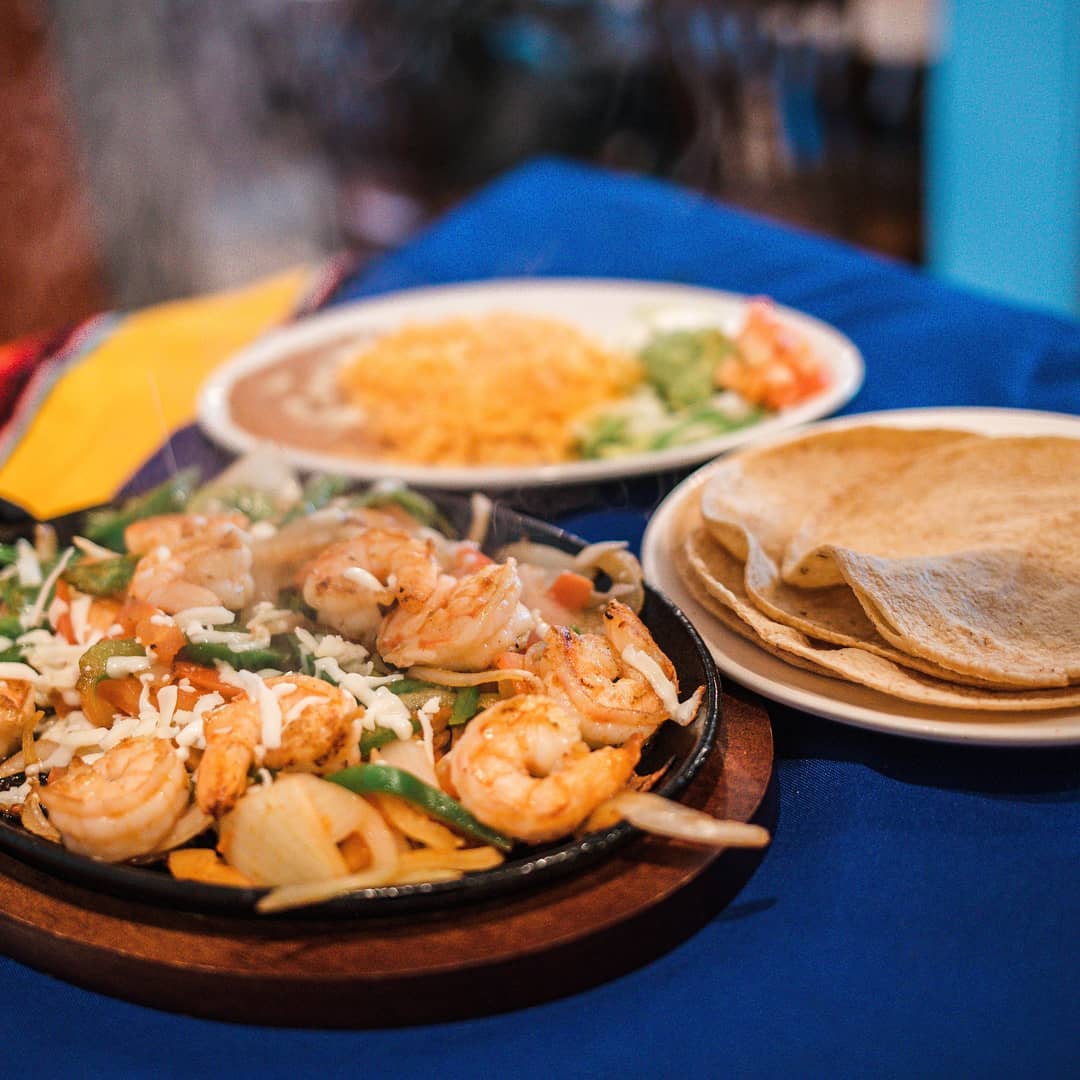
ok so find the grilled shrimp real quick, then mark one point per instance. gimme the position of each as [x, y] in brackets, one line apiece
[123, 804]
[465, 623]
[168, 530]
[591, 675]
[319, 734]
[211, 567]
[522, 768]
[16, 702]
[352, 580]
[280, 557]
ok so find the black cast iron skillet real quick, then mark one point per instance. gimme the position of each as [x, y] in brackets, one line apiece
[681, 750]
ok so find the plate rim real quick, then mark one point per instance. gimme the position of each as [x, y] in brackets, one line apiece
[1031, 730]
[213, 416]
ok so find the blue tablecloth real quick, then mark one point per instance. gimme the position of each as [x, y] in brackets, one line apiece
[917, 912]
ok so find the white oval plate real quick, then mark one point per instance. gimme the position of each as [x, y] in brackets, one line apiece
[617, 313]
[836, 699]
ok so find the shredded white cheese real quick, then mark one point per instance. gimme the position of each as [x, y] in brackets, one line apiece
[381, 708]
[12, 670]
[32, 616]
[117, 667]
[80, 619]
[296, 710]
[210, 615]
[425, 714]
[94, 551]
[57, 610]
[258, 692]
[267, 620]
[27, 564]
[351, 656]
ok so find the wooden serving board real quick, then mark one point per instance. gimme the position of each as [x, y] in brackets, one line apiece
[423, 968]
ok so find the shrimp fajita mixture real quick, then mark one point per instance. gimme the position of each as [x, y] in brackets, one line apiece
[264, 683]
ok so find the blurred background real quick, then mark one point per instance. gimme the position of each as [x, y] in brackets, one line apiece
[152, 149]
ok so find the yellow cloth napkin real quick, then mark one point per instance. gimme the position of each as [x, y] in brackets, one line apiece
[118, 404]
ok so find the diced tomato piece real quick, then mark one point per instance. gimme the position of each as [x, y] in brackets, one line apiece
[122, 695]
[572, 591]
[165, 639]
[468, 559]
[205, 680]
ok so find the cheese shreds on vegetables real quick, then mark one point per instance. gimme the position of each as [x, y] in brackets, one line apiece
[27, 564]
[208, 616]
[32, 616]
[349, 654]
[425, 714]
[92, 550]
[381, 708]
[501, 389]
[116, 667]
[79, 610]
[262, 695]
[14, 670]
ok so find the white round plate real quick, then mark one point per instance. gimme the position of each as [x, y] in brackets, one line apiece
[617, 313]
[836, 699]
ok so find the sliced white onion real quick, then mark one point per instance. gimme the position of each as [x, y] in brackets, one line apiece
[654, 814]
[380, 841]
[34, 820]
[13, 765]
[529, 551]
[610, 556]
[613, 558]
[92, 550]
[480, 506]
[276, 836]
[288, 897]
[410, 756]
[192, 822]
[442, 677]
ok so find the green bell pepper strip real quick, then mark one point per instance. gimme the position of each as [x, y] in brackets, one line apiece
[466, 706]
[106, 526]
[374, 740]
[319, 491]
[410, 686]
[15, 597]
[413, 503]
[383, 779]
[281, 654]
[93, 664]
[106, 577]
[11, 628]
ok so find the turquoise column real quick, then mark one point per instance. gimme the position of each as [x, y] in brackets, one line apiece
[1003, 150]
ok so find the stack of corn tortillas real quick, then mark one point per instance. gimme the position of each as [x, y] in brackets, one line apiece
[935, 566]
